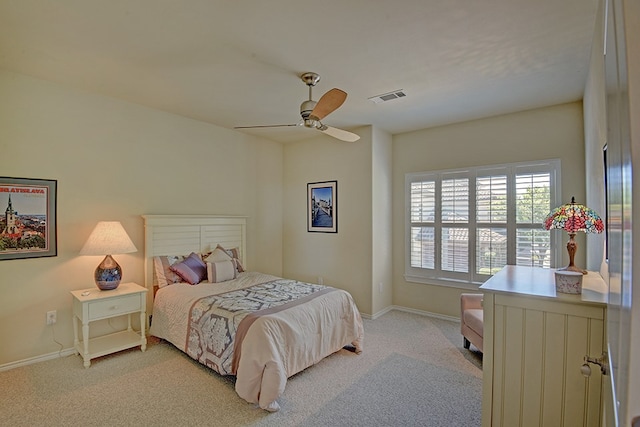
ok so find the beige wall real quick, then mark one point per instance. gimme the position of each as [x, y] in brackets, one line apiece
[342, 259]
[632, 35]
[553, 132]
[116, 161]
[621, 131]
[358, 257]
[382, 208]
[595, 138]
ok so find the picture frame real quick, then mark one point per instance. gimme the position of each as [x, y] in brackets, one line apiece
[322, 207]
[28, 222]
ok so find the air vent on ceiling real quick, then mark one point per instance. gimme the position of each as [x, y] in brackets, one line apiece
[388, 96]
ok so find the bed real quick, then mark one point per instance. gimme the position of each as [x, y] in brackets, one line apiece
[261, 328]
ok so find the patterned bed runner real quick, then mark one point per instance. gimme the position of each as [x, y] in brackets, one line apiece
[218, 323]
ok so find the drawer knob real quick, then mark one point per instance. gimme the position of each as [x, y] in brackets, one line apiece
[600, 361]
[115, 307]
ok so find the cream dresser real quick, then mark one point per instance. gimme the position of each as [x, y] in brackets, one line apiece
[93, 304]
[535, 342]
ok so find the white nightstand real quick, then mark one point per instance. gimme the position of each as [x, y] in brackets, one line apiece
[93, 304]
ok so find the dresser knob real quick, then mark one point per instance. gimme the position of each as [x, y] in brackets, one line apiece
[600, 361]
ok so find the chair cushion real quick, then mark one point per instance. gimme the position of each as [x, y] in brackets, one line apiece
[473, 319]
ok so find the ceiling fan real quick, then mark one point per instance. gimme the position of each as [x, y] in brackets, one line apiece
[312, 112]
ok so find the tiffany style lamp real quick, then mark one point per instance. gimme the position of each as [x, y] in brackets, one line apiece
[572, 218]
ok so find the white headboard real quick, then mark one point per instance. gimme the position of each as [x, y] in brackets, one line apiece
[183, 234]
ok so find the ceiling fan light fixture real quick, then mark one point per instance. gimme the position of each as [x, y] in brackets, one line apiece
[313, 111]
[311, 123]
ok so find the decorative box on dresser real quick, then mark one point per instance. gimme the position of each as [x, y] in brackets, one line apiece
[535, 343]
[93, 304]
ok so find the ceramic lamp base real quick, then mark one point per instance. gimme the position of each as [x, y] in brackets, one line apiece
[108, 274]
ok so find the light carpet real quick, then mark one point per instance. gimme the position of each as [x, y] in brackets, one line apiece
[401, 398]
[413, 372]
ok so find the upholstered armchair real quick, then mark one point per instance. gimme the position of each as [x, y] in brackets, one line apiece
[471, 320]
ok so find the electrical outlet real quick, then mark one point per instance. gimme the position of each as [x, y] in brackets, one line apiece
[52, 317]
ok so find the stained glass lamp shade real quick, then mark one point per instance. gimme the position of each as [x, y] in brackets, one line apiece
[574, 217]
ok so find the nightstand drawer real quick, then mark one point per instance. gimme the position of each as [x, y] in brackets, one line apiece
[114, 306]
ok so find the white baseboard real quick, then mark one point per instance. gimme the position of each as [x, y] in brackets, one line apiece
[414, 311]
[37, 359]
[70, 351]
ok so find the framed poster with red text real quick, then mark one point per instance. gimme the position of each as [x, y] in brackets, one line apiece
[27, 218]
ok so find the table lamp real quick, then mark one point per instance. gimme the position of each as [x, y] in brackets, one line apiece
[572, 218]
[108, 238]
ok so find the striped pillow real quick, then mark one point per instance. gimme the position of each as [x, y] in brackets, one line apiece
[218, 254]
[162, 269]
[221, 271]
[192, 269]
[234, 253]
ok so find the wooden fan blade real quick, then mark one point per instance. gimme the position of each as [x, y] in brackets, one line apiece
[264, 126]
[340, 134]
[328, 103]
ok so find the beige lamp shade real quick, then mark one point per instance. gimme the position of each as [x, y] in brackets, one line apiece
[109, 237]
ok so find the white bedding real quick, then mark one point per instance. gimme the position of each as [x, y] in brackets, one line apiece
[277, 345]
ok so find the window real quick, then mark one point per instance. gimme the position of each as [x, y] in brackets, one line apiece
[465, 225]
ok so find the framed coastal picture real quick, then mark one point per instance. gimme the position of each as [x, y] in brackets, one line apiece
[322, 207]
[27, 218]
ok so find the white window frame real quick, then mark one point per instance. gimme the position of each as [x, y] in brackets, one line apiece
[471, 280]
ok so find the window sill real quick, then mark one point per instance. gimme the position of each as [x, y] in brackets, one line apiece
[449, 283]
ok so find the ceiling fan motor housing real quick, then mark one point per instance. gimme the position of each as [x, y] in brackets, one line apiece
[306, 108]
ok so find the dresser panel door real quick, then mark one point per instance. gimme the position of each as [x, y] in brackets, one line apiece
[538, 352]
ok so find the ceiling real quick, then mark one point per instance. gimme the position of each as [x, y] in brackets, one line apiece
[237, 62]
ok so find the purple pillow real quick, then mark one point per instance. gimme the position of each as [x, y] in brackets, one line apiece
[192, 269]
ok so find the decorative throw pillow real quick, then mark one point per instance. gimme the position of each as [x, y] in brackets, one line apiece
[234, 253]
[192, 270]
[221, 271]
[162, 267]
[217, 255]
